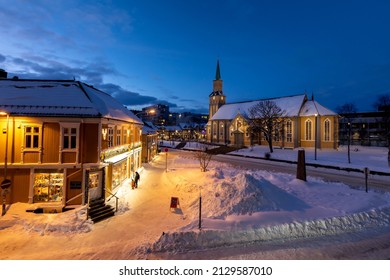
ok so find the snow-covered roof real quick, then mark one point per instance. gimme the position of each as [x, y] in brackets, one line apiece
[290, 104]
[149, 128]
[108, 106]
[312, 107]
[172, 128]
[59, 98]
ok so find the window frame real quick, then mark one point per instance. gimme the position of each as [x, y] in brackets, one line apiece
[31, 135]
[327, 130]
[308, 130]
[289, 131]
[69, 134]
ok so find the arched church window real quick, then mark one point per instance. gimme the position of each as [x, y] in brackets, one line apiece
[289, 130]
[327, 130]
[308, 130]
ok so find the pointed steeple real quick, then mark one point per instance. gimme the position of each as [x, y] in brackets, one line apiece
[216, 97]
[218, 72]
[217, 83]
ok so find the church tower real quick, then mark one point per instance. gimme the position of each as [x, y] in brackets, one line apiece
[216, 97]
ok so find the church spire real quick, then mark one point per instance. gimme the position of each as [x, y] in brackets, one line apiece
[218, 72]
[216, 97]
[217, 83]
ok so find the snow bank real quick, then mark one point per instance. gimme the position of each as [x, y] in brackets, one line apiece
[73, 221]
[193, 240]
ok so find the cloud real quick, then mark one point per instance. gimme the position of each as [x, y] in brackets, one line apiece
[37, 67]
[130, 98]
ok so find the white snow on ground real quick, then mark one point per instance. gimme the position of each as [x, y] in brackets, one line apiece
[374, 158]
[238, 206]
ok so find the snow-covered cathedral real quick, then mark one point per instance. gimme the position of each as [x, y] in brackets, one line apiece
[306, 123]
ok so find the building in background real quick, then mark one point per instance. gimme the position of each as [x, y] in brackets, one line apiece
[365, 129]
[157, 114]
[67, 142]
[149, 142]
[306, 123]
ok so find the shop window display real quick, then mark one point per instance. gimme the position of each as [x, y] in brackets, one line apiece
[48, 187]
[119, 173]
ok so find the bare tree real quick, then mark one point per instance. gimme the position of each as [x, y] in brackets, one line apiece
[204, 159]
[383, 104]
[348, 111]
[264, 117]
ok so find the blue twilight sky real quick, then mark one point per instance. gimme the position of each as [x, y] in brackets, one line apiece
[146, 52]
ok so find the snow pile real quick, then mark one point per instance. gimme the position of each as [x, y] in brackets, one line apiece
[195, 240]
[72, 221]
[241, 206]
[240, 194]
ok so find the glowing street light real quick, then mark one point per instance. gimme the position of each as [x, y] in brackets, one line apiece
[5, 184]
[3, 113]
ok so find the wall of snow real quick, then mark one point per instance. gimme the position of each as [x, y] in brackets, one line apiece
[192, 240]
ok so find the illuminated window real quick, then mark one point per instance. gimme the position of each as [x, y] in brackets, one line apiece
[308, 130]
[124, 136]
[327, 130]
[289, 131]
[110, 137]
[118, 136]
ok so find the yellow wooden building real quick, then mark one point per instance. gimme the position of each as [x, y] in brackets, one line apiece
[64, 142]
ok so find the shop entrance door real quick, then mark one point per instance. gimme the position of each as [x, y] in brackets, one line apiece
[95, 185]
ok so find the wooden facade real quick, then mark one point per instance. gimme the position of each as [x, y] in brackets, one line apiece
[58, 158]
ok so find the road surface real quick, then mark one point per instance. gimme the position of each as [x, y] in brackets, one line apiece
[352, 179]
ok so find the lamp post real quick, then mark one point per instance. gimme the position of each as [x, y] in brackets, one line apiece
[315, 137]
[6, 144]
[5, 184]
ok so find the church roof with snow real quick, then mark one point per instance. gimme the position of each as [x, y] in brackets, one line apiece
[296, 105]
[60, 98]
[291, 105]
[312, 107]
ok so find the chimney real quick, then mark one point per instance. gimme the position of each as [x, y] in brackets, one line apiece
[3, 74]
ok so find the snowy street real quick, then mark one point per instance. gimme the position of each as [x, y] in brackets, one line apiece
[245, 213]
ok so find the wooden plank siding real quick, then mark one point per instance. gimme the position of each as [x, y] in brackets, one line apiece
[20, 185]
[74, 176]
[31, 157]
[51, 142]
[89, 143]
[69, 157]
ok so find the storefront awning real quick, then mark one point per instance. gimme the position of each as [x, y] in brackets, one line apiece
[117, 158]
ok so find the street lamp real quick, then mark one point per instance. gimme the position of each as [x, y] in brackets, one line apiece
[142, 114]
[315, 137]
[3, 113]
[5, 184]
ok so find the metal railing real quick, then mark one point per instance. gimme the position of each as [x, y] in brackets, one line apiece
[116, 199]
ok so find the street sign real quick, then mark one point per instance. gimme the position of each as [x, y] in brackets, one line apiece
[6, 184]
[166, 150]
[174, 202]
